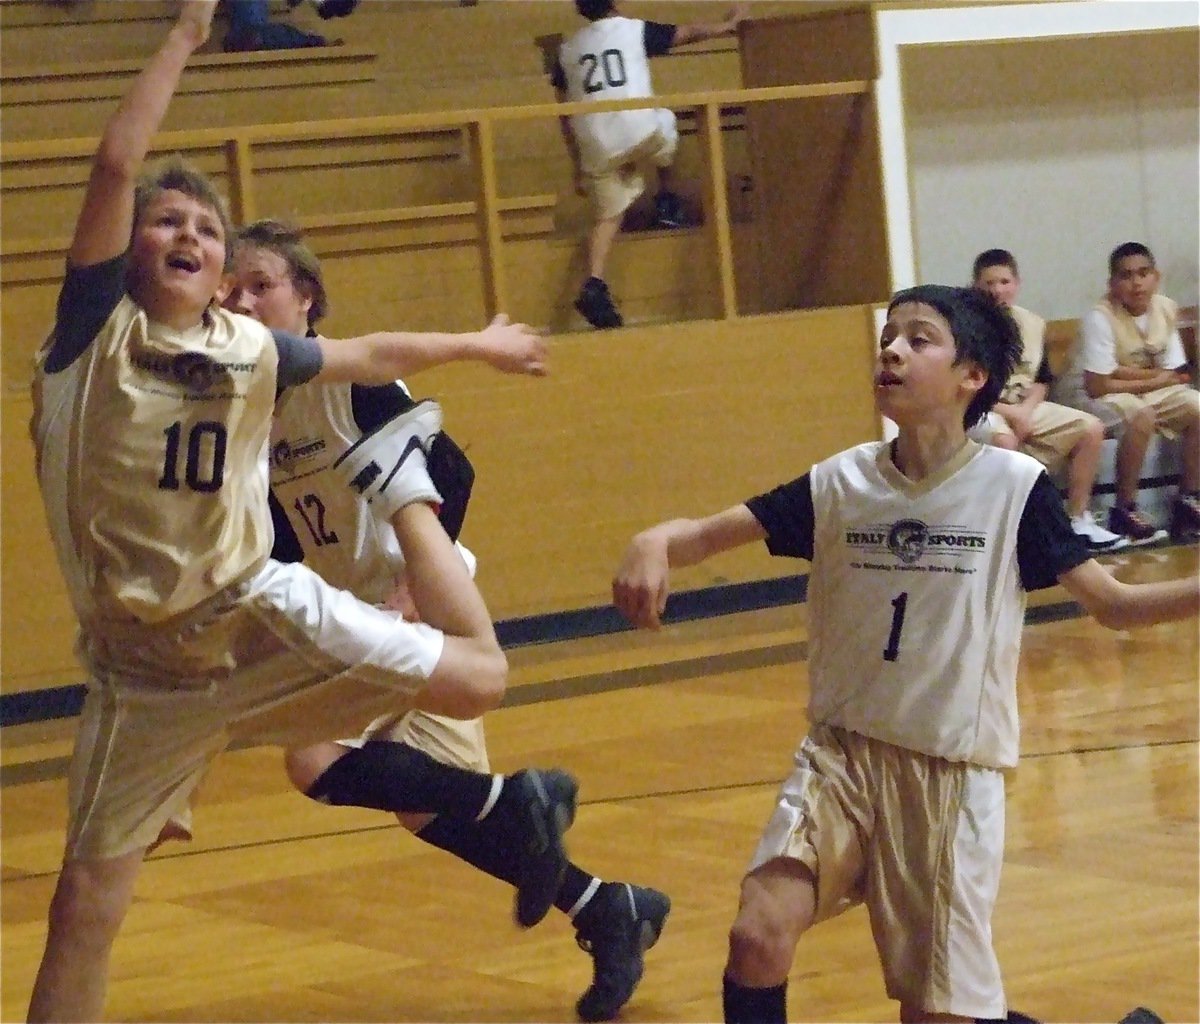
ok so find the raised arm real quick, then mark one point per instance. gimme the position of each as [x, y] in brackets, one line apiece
[106, 220]
[1120, 605]
[388, 355]
[696, 33]
[642, 583]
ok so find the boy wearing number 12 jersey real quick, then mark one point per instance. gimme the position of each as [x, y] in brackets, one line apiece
[922, 550]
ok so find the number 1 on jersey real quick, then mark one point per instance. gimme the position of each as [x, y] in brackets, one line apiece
[892, 651]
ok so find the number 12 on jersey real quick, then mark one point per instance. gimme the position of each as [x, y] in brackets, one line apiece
[899, 603]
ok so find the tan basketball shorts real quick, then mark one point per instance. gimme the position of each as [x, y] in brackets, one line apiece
[1055, 430]
[281, 659]
[920, 841]
[615, 187]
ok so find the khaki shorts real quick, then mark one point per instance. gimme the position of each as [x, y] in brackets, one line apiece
[1176, 406]
[615, 187]
[1054, 432]
[280, 659]
[920, 841]
[448, 740]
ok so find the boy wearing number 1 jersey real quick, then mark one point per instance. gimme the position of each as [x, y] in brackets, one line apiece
[922, 550]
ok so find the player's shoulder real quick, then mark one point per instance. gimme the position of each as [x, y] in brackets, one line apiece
[857, 460]
[1027, 318]
[1003, 462]
[1168, 306]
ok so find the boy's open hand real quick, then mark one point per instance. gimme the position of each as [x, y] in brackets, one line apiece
[514, 348]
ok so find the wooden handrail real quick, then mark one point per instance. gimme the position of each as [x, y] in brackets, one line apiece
[346, 128]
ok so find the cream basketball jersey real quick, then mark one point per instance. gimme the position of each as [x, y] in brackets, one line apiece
[608, 60]
[151, 450]
[337, 534]
[917, 593]
[1142, 341]
[1033, 350]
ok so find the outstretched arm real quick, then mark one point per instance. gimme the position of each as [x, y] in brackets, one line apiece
[106, 220]
[1120, 605]
[696, 33]
[388, 355]
[641, 585]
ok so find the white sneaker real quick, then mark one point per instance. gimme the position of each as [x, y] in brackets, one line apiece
[387, 467]
[1095, 536]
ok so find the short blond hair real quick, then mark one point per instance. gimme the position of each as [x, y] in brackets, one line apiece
[175, 174]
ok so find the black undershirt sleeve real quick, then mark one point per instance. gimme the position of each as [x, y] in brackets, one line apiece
[1047, 547]
[787, 514]
[88, 297]
[658, 38]
[375, 405]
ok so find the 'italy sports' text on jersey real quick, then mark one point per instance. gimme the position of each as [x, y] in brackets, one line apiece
[334, 529]
[608, 59]
[917, 592]
[151, 449]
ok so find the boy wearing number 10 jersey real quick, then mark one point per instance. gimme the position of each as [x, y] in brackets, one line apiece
[922, 550]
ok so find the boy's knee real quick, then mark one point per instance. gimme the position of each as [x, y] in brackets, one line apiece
[304, 765]
[1141, 424]
[414, 821]
[1004, 440]
[762, 940]
[486, 691]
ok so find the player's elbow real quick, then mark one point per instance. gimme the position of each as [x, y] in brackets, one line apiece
[491, 683]
[1115, 609]
[469, 682]
[113, 163]
[1109, 616]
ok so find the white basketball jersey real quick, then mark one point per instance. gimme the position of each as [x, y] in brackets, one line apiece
[151, 450]
[607, 60]
[916, 605]
[340, 537]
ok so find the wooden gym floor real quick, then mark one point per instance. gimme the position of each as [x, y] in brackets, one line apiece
[283, 910]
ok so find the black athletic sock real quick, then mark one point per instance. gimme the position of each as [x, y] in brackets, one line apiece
[395, 777]
[469, 841]
[745, 1005]
[575, 884]
[477, 844]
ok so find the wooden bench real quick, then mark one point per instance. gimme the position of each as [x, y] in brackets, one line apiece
[64, 100]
